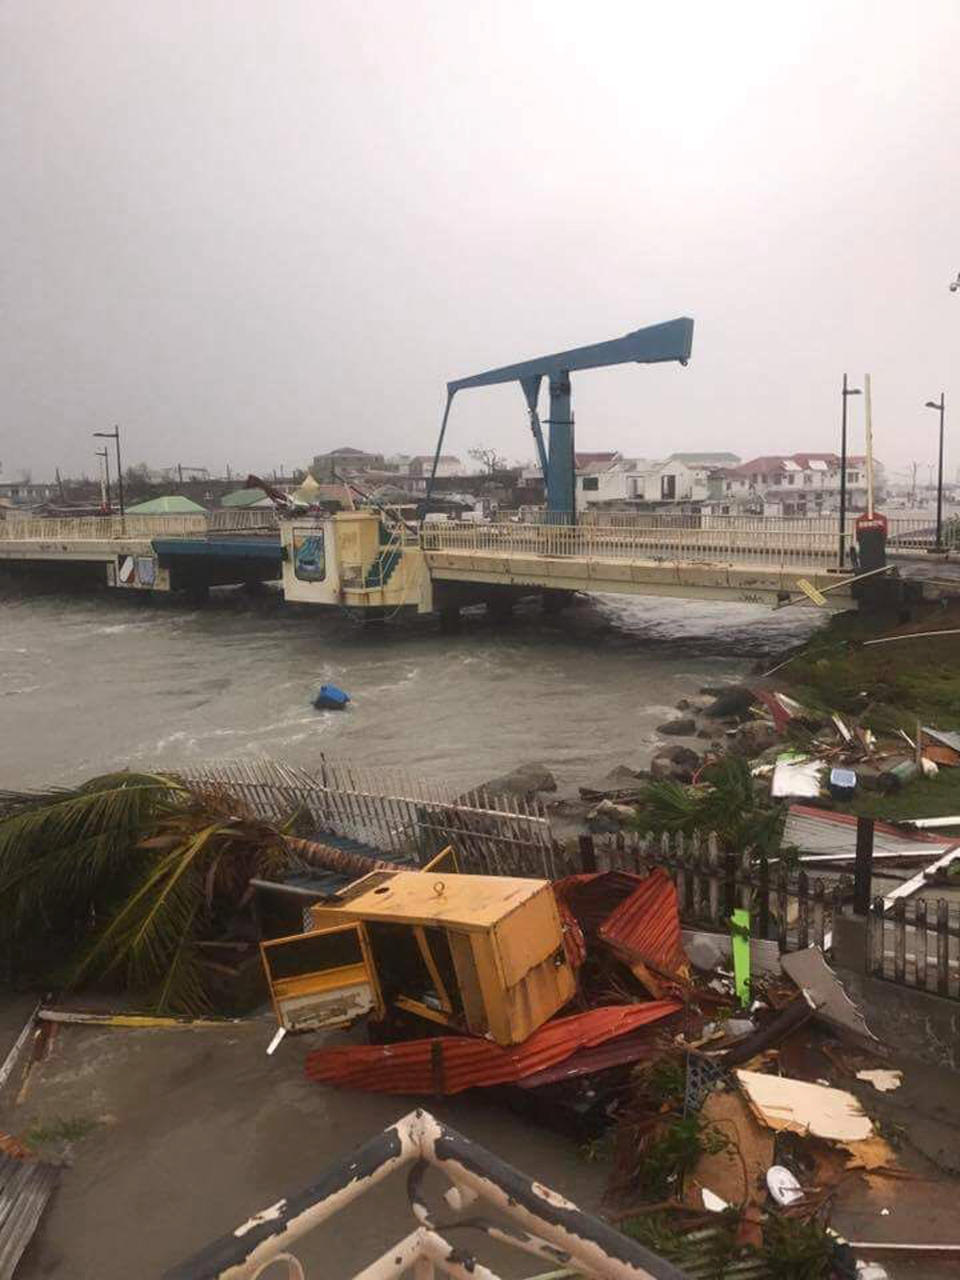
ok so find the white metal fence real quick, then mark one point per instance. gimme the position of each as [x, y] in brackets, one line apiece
[112, 528]
[772, 542]
[101, 528]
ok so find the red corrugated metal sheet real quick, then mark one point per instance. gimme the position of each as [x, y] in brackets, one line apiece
[573, 943]
[636, 1046]
[593, 896]
[646, 926]
[450, 1064]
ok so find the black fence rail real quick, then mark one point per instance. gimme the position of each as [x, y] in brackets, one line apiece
[786, 906]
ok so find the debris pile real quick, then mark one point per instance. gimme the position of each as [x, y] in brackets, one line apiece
[708, 1071]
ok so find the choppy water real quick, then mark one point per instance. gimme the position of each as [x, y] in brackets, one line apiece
[88, 683]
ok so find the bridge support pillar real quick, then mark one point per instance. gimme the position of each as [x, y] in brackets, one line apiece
[561, 504]
[450, 619]
[553, 600]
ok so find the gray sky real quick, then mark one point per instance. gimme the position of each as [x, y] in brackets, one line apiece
[250, 232]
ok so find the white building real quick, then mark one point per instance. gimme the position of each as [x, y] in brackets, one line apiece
[683, 477]
[447, 465]
[797, 484]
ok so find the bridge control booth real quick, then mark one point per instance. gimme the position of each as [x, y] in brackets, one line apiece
[479, 954]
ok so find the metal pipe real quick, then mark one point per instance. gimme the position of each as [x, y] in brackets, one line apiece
[847, 391]
[868, 417]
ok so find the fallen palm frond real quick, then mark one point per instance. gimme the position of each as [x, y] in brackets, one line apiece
[125, 874]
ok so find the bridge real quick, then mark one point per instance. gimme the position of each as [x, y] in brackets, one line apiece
[145, 552]
[374, 562]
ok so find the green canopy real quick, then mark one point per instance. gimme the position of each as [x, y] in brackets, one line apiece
[169, 504]
[245, 498]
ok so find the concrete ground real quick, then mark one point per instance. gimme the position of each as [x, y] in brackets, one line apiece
[173, 1137]
[178, 1136]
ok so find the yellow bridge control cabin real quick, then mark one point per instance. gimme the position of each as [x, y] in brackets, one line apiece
[480, 954]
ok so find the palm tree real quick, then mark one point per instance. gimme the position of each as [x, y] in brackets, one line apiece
[125, 875]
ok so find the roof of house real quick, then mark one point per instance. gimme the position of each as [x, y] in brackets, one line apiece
[773, 462]
[347, 451]
[596, 461]
[169, 504]
[718, 457]
[428, 457]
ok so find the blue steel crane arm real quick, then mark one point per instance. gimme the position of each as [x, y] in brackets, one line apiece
[656, 344]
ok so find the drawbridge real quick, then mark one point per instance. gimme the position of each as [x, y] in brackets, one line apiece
[366, 561]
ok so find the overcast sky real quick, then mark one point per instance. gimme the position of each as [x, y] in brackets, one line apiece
[251, 232]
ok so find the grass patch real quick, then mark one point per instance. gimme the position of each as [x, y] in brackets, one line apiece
[902, 681]
[924, 798]
[61, 1129]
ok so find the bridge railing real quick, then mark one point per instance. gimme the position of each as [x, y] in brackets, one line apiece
[112, 528]
[101, 528]
[773, 546]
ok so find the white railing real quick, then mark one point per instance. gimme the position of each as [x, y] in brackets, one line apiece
[243, 519]
[101, 528]
[112, 528]
[905, 532]
[778, 545]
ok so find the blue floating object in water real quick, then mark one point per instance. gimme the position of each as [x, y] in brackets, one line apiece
[330, 698]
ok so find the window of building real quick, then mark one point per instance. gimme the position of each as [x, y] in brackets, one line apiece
[791, 478]
[807, 478]
[853, 477]
[668, 486]
[590, 484]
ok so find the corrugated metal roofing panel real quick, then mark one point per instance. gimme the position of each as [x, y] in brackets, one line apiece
[635, 1046]
[591, 897]
[819, 831]
[646, 925]
[450, 1064]
[25, 1188]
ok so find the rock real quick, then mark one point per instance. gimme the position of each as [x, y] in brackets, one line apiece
[569, 810]
[526, 780]
[684, 728]
[683, 704]
[716, 690]
[755, 737]
[675, 764]
[681, 755]
[735, 701]
[618, 813]
[623, 776]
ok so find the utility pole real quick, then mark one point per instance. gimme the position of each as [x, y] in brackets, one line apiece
[847, 391]
[940, 406]
[104, 456]
[114, 435]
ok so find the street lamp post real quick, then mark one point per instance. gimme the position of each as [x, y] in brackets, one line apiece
[104, 454]
[939, 405]
[115, 436]
[847, 391]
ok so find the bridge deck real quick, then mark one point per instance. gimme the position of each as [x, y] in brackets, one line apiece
[743, 564]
